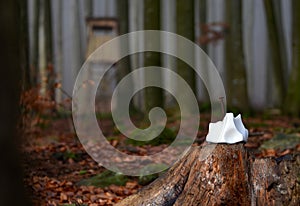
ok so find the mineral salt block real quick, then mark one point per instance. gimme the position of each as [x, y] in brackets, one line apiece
[230, 130]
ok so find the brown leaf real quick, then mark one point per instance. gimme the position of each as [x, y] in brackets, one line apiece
[94, 198]
[131, 185]
[251, 145]
[63, 197]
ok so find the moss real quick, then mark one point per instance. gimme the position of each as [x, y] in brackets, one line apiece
[106, 116]
[282, 141]
[146, 179]
[205, 107]
[82, 172]
[112, 138]
[63, 113]
[105, 179]
[167, 136]
[64, 156]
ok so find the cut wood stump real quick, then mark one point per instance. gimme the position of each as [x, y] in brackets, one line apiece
[227, 176]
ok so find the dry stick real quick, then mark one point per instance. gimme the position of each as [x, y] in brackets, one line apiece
[256, 134]
[222, 105]
[65, 92]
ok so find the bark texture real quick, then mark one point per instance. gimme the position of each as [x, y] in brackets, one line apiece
[275, 181]
[227, 176]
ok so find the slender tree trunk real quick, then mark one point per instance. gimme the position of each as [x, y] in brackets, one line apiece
[11, 189]
[153, 95]
[35, 42]
[47, 77]
[236, 78]
[185, 26]
[48, 30]
[282, 42]
[203, 19]
[42, 55]
[78, 54]
[59, 55]
[292, 102]
[49, 49]
[79, 33]
[89, 7]
[274, 43]
[24, 35]
[204, 47]
[124, 65]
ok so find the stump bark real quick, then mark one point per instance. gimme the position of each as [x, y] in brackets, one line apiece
[227, 176]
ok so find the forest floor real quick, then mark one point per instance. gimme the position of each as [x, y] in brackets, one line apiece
[55, 163]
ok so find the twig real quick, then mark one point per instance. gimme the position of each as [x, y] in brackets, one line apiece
[256, 134]
[222, 105]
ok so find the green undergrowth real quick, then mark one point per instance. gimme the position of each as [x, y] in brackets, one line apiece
[64, 156]
[105, 179]
[281, 142]
[108, 178]
[146, 179]
[167, 136]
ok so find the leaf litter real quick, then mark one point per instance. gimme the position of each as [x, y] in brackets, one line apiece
[55, 164]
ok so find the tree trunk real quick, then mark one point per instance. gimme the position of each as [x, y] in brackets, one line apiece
[88, 6]
[226, 177]
[281, 38]
[236, 78]
[292, 105]
[123, 17]
[35, 44]
[185, 26]
[203, 20]
[153, 95]
[124, 66]
[59, 48]
[42, 52]
[49, 49]
[274, 44]
[24, 35]
[11, 189]
[204, 47]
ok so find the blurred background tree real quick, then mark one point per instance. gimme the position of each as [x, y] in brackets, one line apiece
[254, 61]
[185, 26]
[153, 95]
[292, 102]
[236, 77]
[276, 51]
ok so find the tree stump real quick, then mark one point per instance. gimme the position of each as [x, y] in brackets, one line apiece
[227, 176]
[275, 181]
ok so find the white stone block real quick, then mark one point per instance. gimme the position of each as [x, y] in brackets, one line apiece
[231, 130]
